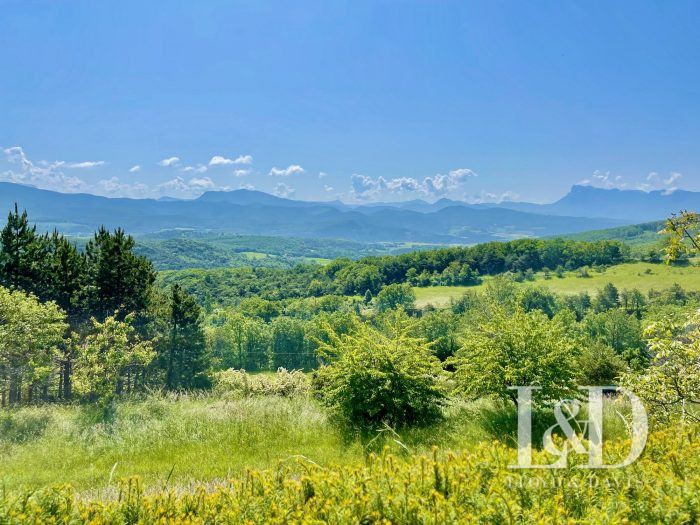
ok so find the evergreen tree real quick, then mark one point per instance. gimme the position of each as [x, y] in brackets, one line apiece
[122, 280]
[186, 360]
[20, 254]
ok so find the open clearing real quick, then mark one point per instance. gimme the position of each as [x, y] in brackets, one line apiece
[643, 276]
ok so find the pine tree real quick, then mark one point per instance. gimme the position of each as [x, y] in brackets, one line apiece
[186, 360]
[122, 280]
[20, 254]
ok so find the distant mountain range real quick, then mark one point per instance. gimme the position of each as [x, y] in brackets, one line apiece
[258, 213]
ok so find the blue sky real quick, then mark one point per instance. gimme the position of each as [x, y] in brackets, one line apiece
[357, 100]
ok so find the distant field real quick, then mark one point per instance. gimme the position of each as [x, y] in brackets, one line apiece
[643, 276]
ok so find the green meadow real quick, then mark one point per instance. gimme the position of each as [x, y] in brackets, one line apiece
[641, 275]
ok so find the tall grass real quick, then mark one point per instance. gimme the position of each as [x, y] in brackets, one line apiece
[189, 438]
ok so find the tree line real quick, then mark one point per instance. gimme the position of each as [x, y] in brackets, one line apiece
[75, 319]
[445, 266]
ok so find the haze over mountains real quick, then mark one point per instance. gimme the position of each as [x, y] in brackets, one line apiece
[251, 212]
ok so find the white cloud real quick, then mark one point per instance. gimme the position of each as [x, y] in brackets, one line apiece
[243, 159]
[402, 184]
[50, 175]
[246, 186]
[366, 188]
[322, 174]
[327, 188]
[292, 169]
[241, 173]
[283, 190]
[170, 161]
[203, 183]
[179, 187]
[114, 187]
[485, 196]
[672, 178]
[218, 160]
[440, 184]
[86, 164]
[42, 174]
[652, 176]
[192, 169]
[603, 179]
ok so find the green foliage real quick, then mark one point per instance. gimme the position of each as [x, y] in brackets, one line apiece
[684, 235]
[671, 385]
[31, 334]
[122, 279]
[621, 332]
[374, 378]
[184, 354]
[473, 485]
[538, 298]
[235, 384]
[396, 296]
[111, 359]
[598, 364]
[441, 330]
[517, 349]
[607, 299]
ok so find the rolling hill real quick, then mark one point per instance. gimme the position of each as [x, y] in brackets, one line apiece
[256, 213]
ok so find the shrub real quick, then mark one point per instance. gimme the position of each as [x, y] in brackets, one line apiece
[377, 378]
[599, 365]
[517, 349]
[236, 384]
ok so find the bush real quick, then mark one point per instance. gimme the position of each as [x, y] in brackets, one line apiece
[599, 365]
[375, 378]
[236, 384]
[517, 349]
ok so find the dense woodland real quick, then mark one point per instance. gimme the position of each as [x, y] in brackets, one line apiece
[92, 324]
[446, 266]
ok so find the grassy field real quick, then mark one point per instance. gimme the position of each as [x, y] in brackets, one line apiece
[643, 276]
[200, 439]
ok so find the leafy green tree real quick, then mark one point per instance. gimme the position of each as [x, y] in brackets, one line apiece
[607, 298]
[111, 360]
[396, 296]
[670, 386]
[517, 349]
[185, 357]
[578, 303]
[538, 298]
[684, 235]
[288, 347]
[375, 378]
[619, 331]
[440, 329]
[258, 307]
[633, 302]
[30, 336]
